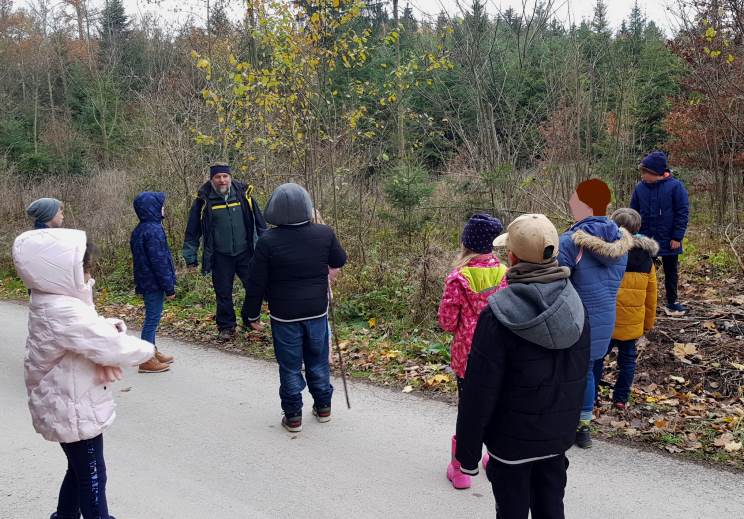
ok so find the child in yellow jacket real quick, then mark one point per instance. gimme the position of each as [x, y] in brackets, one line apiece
[636, 303]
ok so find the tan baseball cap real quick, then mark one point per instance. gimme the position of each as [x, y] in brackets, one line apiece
[530, 237]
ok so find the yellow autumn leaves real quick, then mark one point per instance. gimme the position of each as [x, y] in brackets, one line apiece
[710, 35]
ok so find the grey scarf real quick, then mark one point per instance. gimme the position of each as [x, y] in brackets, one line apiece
[524, 272]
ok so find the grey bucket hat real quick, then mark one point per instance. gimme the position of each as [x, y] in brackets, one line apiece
[290, 204]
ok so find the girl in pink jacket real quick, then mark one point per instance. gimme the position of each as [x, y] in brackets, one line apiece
[476, 275]
[72, 357]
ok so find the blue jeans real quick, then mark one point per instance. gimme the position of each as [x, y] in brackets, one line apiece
[295, 343]
[153, 312]
[84, 487]
[626, 366]
[593, 377]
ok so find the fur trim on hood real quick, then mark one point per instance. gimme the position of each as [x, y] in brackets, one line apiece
[600, 247]
[648, 244]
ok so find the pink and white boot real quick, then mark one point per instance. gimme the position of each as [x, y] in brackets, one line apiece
[459, 480]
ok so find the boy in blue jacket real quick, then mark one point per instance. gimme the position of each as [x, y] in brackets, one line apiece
[662, 201]
[596, 252]
[154, 273]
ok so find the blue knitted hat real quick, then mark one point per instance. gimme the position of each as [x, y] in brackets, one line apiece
[217, 169]
[655, 162]
[480, 231]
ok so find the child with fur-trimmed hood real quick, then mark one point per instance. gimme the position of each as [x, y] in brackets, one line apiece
[636, 303]
[596, 251]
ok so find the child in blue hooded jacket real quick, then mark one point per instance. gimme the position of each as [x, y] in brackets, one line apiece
[154, 272]
[596, 251]
[662, 202]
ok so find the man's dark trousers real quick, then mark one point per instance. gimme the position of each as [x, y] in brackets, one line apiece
[537, 486]
[224, 268]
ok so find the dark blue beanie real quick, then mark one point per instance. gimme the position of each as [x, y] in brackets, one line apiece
[217, 169]
[480, 231]
[656, 162]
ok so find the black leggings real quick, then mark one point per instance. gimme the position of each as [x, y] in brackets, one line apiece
[84, 487]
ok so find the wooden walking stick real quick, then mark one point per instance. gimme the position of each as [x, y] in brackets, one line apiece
[332, 311]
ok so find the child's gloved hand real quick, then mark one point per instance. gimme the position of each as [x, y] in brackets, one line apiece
[108, 374]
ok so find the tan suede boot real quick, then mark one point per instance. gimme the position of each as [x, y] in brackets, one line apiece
[162, 357]
[153, 366]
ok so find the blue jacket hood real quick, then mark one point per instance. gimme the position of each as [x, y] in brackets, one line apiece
[149, 206]
[602, 238]
[598, 226]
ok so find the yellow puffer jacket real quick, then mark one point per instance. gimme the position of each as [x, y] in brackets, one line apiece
[636, 299]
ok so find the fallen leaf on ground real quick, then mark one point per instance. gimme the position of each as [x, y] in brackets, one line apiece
[724, 439]
[437, 379]
[408, 389]
[661, 424]
[675, 378]
[682, 350]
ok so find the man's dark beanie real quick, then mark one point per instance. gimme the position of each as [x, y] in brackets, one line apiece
[655, 162]
[43, 209]
[217, 169]
[480, 231]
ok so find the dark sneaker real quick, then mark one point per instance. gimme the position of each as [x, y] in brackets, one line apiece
[322, 413]
[227, 334]
[584, 437]
[675, 310]
[292, 423]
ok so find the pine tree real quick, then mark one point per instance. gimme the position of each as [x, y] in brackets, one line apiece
[636, 22]
[600, 24]
[443, 23]
[219, 24]
[477, 19]
[408, 20]
[114, 30]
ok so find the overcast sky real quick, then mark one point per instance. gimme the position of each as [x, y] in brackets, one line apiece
[567, 10]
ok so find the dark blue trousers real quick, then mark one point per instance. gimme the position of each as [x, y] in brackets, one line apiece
[84, 487]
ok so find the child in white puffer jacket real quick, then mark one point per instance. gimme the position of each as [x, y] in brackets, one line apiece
[72, 356]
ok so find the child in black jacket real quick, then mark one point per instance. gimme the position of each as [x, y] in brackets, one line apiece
[290, 270]
[525, 379]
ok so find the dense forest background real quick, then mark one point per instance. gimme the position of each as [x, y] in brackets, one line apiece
[399, 127]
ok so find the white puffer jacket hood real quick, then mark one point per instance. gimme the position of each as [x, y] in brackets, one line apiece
[67, 338]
